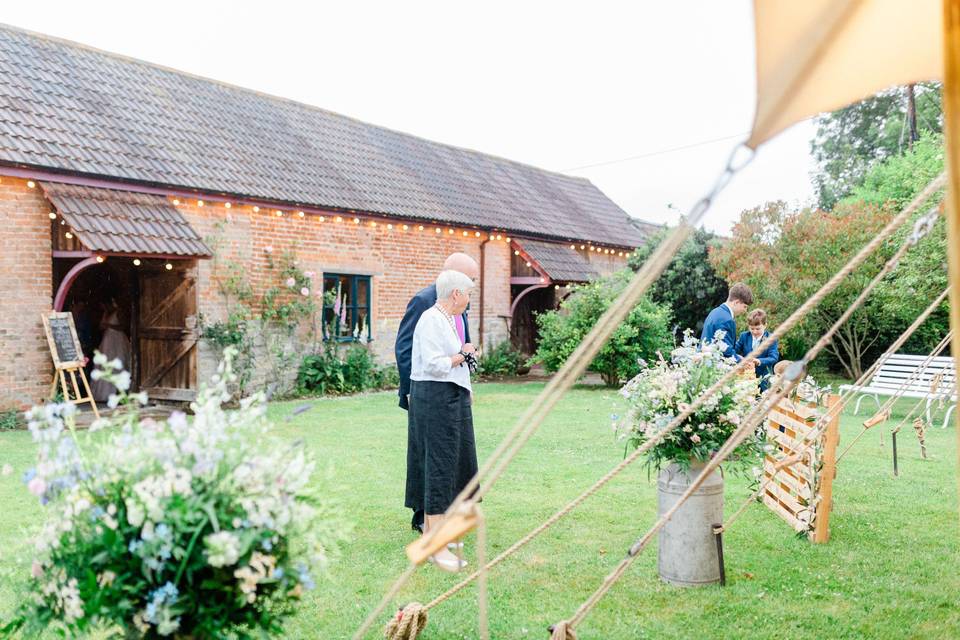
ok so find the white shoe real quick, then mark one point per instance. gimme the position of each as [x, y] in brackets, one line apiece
[454, 547]
[451, 566]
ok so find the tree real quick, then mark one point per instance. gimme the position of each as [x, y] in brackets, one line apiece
[851, 140]
[689, 285]
[785, 256]
[639, 337]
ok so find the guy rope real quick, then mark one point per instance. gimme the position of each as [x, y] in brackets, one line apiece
[577, 363]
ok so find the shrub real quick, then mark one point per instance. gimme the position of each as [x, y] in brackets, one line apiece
[639, 336]
[201, 528]
[8, 420]
[501, 360]
[337, 370]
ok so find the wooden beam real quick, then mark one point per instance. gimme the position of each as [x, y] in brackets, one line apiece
[167, 393]
[821, 528]
[169, 301]
[951, 136]
[182, 349]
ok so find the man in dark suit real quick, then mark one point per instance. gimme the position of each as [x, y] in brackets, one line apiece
[758, 335]
[722, 319]
[420, 302]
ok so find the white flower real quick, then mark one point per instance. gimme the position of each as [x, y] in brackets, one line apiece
[222, 548]
[122, 380]
[99, 359]
[96, 374]
[113, 401]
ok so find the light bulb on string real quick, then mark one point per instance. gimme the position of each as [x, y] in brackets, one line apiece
[466, 233]
[439, 230]
[356, 221]
[176, 202]
[389, 227]
[279, 213]
[52, 215]
[582, 247]
[136, 262]
[300, 213]
[199, 203]
[256, 209]
[405, 227]
[476, 233]
[227, 205]
[450, 231]
[419, 227]
[529, 265]
[100, 259]
[321, 218]
[339, 219]
[31, 184]
[69, 235]
[168, 266]
[516, 253]
[507, 240]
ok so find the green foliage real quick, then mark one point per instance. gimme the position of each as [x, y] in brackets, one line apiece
[9, 419]
[851, 140]
[501, 360]
[639, 337]
[340, 370]
[689, 285]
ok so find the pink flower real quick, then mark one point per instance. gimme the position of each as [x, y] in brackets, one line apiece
[694, 438]
[309, 274]
[304, 291]
[37, 486]
[36, 570]
[291, 282]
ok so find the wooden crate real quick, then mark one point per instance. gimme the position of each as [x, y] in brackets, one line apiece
[802, 492]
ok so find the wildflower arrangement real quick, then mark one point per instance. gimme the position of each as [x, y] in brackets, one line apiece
[202, 528]
[660, 392]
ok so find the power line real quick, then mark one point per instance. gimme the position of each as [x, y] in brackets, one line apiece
[657, 153]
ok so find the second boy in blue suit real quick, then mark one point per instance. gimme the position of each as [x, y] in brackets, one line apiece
[758, 335]
[722, 319]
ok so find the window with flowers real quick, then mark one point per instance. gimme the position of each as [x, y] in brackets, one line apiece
[346, 307]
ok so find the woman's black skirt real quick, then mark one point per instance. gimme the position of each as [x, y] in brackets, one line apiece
[441, 449]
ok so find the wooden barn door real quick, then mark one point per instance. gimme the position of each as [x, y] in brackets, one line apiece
[167, 331]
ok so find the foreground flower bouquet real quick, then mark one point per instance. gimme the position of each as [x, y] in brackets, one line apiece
[200, 528]
[687, 553]
[660, 392]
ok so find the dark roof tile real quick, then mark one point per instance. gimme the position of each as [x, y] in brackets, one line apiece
[64, 106]
[123, 221]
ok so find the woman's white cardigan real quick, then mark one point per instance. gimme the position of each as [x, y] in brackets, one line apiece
[435, 341]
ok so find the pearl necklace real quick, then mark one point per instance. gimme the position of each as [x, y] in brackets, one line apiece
[449, 318]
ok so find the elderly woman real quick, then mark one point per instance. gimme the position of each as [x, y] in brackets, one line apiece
[441, 451]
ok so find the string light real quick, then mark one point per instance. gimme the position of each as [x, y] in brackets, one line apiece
[63, 222]
[439, 230]
[405, 227]
[606, 250]
[499, 236]
[199, 203]
[169, 266]
[300, 213]
[136, 262]
[227, 205]
[557, 287]
[466, 233]
[542, 280]
[477, 233]
[31, 184]
[321, 218]
[256, 209]
[373, 223]
[528, 264]
[507, 240]
[516, 253]
[389, 227]
[356, 221]
[574, 247]
[100, 259]
[591, 248]
[279, 213]
[69, 235]
[339, 219]
[52, 215]
[620, 254]
[176, 202]
[420, 227]
[450, 231]
[582, 247]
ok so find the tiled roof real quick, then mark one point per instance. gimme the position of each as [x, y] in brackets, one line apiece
[113, 221]
[561, 263]
[67, 107]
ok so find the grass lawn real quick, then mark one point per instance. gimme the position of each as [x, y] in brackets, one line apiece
[889, 571]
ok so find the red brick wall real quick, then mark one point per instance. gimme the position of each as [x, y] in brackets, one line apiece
[401, 261]
[25, 293]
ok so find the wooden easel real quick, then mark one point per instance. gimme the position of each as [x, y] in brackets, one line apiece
[67, 359]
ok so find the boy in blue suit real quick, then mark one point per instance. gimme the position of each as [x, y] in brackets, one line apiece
[722, 319]
[758, 335]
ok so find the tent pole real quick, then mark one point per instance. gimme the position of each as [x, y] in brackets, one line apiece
[951, 120]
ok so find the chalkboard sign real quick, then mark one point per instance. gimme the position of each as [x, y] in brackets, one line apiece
[63, 340]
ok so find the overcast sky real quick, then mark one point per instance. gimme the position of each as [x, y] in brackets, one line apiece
[554, 84]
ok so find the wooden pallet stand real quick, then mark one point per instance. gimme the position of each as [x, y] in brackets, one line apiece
[799, 478]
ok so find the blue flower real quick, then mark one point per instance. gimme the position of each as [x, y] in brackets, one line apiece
[267, 545]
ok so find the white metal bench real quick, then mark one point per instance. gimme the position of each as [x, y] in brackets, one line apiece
[905, 375]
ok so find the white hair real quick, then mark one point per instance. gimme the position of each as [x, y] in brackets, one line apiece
[450, 281]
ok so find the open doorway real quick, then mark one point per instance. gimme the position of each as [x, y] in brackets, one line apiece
[142, 311]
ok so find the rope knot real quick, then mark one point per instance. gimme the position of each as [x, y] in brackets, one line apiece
[563, 630]
[407, 624]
